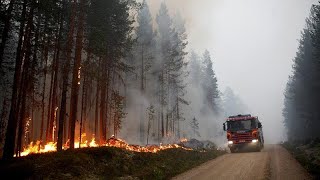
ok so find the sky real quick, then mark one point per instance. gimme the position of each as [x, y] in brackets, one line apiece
[253, 43]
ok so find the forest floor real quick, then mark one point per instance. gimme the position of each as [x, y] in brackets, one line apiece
[307, 153]
[105, 163]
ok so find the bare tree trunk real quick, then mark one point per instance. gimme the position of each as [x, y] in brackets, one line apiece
[54, 85]
[102, 112]
[97, 110]
[44, 57]
[43, 93]
[9, 146]
[178, 118]
[60, 123]
[34, 70]
[162, 104]
[167, 124]
[21, 121]
[109, 96]
[50, 108]
[25, 82]
[142, 93]
[83, 108]
[76, 76]
[66, 70]
[3, 116]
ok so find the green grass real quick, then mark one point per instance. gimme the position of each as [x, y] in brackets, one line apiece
[307, 153]
[105, 163]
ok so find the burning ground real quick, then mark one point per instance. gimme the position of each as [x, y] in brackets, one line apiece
[106, 163]
[38, 148]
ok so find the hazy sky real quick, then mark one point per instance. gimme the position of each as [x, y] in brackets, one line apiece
[253, 43]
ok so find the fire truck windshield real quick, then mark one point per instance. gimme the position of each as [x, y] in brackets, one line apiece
[241, 125]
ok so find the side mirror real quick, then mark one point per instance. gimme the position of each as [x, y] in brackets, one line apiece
[259, 125]
[224, 126]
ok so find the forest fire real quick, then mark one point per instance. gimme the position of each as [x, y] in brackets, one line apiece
[183, 140]
[37, 148]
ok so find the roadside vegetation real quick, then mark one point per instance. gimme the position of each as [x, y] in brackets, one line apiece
[307, 153]
[105, 163]
[301, 105]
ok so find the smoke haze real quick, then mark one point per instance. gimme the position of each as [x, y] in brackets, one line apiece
[253, 44]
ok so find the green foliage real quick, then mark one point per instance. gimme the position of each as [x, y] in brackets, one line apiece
[301, 111]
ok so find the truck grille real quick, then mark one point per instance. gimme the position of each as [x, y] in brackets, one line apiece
[239, 138]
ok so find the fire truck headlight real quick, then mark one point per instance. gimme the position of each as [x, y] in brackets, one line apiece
[254, 140]
[230, 142]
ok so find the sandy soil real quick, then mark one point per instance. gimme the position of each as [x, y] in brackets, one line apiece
[274, 162]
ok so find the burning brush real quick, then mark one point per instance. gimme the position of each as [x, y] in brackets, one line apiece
[36, 148]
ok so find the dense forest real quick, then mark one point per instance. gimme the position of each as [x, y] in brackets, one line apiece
[75, 70]
[301, 111]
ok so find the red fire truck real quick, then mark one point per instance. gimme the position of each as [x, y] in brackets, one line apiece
[244, 131]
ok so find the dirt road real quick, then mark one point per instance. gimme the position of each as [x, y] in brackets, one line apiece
[274, 162]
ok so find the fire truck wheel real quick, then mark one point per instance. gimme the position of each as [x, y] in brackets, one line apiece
[259, 147]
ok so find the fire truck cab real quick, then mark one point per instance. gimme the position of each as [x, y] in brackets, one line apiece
[244, 131]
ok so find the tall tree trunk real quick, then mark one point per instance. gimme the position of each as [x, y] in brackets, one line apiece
[22, 98]
[52, 108]
[21, 119]
[162, 104]
[142, 93]
[167, 124]
[9, 146]
[44, 92]
[6, 29]
[3, 116]
[97, 110]
[76, 75]
[102, 112]
[25, 82]
[82, 109]
[178, 118]
[66, 70]
[108, 107]
[34, 71]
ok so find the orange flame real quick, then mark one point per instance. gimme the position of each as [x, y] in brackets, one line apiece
[184, 140]
[112, 142]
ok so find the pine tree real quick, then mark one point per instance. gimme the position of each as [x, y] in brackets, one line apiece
[75, 86]
[209, 83]
[164, 42]
[118, 112]
[178, 72]
[144, 54]
[301, 114]
[232, 104]
[151, 118]
[195, 127]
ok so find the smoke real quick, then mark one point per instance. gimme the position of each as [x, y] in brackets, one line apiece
[253, 44]
[137, 105]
